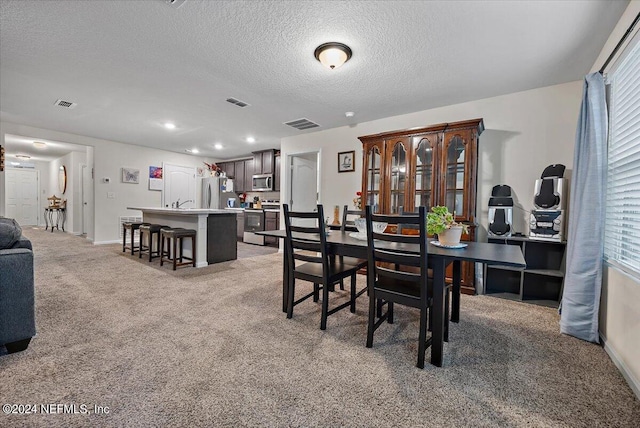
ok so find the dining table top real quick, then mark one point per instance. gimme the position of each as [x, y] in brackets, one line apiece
[480, 252]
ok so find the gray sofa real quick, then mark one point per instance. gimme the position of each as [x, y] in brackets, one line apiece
[17, 310]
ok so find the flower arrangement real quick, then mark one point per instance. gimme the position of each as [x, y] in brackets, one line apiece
[213, 168]
[357, 201]
[440, 219]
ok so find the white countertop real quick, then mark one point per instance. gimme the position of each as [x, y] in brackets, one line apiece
[268, 210]
[180, 211]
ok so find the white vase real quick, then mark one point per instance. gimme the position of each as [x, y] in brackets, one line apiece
[450, 236]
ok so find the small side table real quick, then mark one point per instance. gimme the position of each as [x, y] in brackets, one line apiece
[61, 217]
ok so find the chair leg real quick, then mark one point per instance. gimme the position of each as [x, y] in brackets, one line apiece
[379, 307]
[390, 312]
[372, 319]
[175, 254]
[162, 237]
[422, 340]
[353, 294]
[124, 238]
[132, 234]
[292, 284]
[316, 292]
[193, 250]
[141, 241]
[17, 346]
[325, 306]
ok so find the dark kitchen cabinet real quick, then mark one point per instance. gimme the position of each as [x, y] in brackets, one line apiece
[272, 222]
[276, 173]
[240, 226]
[230, 169]
[435, 165]
[239, 183]
[248, 174]
[263, 162]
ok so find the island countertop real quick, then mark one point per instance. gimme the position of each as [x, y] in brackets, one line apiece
[180, 211]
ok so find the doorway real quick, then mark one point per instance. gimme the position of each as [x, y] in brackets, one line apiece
[179, 185]
[304, 188]
[22, 196]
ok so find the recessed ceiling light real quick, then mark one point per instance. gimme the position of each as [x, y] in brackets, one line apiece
[23, 156]
[218, 146]
[169, 125]
[39, 145]
[195, 151]
[251, 140]
[349, 114]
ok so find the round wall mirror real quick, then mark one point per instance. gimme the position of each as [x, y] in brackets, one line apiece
[62, 179]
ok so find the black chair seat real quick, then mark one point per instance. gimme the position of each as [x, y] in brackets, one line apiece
[337, 270]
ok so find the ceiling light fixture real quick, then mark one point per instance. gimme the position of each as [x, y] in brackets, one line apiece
[39, 145]
[251, 140]
[218, 146]
[333, 54]
[349, 114]
[169, 125]
[23, 156]
[195, 151]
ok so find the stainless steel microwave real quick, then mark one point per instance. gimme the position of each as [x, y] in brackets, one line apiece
[262, 183]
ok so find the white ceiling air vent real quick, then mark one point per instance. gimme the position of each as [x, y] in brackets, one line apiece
[175, 3]
[237, 102]
[302, 124]
[65, 104]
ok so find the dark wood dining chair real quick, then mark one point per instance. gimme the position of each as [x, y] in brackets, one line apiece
[307, 245]
[389, 283]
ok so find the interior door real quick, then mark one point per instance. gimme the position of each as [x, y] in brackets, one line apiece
[304, 182]
[179, 184]
[21, 202]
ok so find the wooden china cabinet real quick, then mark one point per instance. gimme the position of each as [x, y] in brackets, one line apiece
[434, 165]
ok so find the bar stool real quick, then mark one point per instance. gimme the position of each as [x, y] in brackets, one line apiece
[131, 227]
[150, 230]
[177, 235]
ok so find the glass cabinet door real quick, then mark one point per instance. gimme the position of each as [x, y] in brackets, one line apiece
[373, 159]
[425, 148]
[455, 168]
[398, 177]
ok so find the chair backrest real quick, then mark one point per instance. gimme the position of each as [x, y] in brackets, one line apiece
[305, 238]
[347, 212]
[386, 255]
[407, 229]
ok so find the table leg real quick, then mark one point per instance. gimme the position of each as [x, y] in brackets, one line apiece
[64, 218]
[455, 296]
[437, 332]
[51, 219]
[46, 219]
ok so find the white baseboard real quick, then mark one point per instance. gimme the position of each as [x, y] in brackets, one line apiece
[116, 241]
[634, 384]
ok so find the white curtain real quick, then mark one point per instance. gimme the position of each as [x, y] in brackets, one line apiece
[583, 278]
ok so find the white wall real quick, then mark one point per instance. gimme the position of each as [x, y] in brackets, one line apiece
[620, 301]
[525, 132]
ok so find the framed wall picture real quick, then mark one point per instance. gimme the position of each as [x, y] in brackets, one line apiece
[155, 178]
[346, 161]
[130, 175]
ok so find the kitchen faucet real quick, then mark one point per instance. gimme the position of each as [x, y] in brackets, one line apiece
[179, 204]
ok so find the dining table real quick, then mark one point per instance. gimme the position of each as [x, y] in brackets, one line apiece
[347, 244]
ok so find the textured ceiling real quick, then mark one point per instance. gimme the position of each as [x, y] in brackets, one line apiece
[133, 65]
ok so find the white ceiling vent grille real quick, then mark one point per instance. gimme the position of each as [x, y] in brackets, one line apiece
[302, 124]
[237, 102]
[175, 3]
[65, 104]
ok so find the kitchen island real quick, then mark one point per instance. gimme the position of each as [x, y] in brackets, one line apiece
[216, 238]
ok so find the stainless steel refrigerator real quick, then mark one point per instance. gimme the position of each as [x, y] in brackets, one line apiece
[216, 192]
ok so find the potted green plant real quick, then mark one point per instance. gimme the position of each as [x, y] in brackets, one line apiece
[442, 223]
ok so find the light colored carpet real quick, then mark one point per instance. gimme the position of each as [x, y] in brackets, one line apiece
[211, 347]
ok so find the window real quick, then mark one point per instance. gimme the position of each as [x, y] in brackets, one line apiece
[622, 224]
